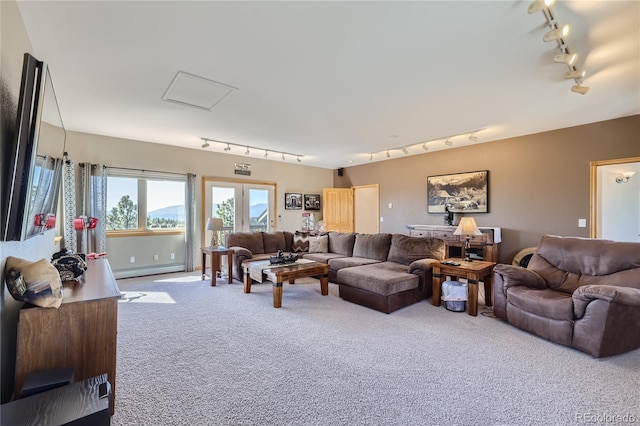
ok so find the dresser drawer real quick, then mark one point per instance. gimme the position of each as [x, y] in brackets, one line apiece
[444, 235]
[419, 233]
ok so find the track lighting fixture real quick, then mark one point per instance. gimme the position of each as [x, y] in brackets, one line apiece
[557, 33]
[404, 150]
[298, 159]
[448, 142]
[425, 147]
[579, 88]
[388, 155]
[248, 149]
[566, 58]
[574, 74]
[370, 156]
[473, 137]
[538, 5]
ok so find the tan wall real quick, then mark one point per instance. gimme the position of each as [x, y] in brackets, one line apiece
[538, 184]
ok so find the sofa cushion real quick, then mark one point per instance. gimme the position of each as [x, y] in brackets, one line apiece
[252, 241]
[348, 262]
[274, 241]
[321, 257]
[382, 278]
[300, 242]
[405, 249]
[545, 303]
[342, 243]
[319, 244]
[372, 246]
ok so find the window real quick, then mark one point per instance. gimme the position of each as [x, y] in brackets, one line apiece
[142, 203]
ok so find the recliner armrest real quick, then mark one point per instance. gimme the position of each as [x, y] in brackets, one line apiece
[518, 276]
[584, 295]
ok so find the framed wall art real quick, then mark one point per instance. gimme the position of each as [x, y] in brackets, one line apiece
[311, 201]
[292, 201]
[460, 192]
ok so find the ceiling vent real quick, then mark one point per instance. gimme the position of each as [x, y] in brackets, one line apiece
[197, 92]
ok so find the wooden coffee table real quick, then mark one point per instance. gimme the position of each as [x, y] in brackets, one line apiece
[277, 274]
[473, 271]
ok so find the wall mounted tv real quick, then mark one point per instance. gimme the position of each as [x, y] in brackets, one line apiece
[35, 156]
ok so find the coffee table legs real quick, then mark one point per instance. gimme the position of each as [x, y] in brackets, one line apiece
[324, 285]
[277, 295]
[247, 281]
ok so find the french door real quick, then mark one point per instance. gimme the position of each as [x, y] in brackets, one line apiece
[242, 206]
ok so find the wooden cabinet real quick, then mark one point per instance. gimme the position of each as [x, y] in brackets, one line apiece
[81, 334]
[483, 247]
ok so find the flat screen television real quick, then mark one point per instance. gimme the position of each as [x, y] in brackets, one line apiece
[34, 172]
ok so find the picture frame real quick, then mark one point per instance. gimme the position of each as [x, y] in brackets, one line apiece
[466, 192]
[292, 201]
[312, 201]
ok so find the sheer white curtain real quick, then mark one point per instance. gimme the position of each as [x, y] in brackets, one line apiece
[94, 205]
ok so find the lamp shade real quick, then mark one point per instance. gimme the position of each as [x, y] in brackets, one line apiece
[214, 224]
[467, 226]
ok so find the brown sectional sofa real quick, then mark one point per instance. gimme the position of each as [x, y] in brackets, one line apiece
[385, 272]
[578, 292]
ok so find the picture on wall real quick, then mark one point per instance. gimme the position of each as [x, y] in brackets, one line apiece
[292, 201]
[460, 193]
[311, 202]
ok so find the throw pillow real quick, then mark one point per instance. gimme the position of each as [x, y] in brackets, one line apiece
[300, 242]
[319, 244]
[37, 283]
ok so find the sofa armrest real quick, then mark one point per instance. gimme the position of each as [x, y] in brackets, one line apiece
[423, 265]
[240, 254]
[584, 295]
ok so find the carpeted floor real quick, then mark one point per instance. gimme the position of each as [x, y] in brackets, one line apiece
[191, 354]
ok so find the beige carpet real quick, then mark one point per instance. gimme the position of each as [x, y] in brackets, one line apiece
[191, 354]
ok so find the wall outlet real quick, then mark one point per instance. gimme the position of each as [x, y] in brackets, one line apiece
[132, 259]
[582, 223]
[156, 257]
[390, 205]
[173, 256]
[381, 219]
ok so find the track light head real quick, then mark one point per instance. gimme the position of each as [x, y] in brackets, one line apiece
[557, 33]
[566, 58]
[578, 88]
[473, 138]
[448, 142]
[298, 159]
[266, 154]
[228, 148]
[247, 151]
[283, 155]
[538, 5]
[370, 156]
[388, 155]
[425, 147]
[404, 150]
[205, 144]
[575, 74]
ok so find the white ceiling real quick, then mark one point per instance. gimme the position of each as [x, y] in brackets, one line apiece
[333, 80]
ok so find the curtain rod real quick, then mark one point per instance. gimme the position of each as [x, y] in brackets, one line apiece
[142, 170]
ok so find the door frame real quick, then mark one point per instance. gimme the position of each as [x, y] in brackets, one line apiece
[203, 207]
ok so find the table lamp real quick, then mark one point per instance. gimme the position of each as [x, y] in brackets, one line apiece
[468, 228]
[215, 225]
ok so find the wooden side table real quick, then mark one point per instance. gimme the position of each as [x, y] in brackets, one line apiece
[216, 261]
[473, 271]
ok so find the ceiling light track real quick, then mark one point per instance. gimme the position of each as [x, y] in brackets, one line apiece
[247, 149]
[405, 149]
[559, 33]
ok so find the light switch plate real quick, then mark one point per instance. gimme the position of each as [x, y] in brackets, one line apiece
[582, 223]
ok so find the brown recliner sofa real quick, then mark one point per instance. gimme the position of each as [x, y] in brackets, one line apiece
[579, 292]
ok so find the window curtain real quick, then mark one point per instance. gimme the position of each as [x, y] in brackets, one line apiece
[93, 178]
[69, 206]
[190, 222]
[49, 176]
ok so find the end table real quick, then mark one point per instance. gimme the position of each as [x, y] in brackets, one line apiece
[473, 271]
[216, 260]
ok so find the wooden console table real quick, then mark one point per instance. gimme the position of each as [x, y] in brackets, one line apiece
[483, 247]
[80, 334]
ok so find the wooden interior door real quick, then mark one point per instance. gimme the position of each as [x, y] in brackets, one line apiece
[337, 210]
